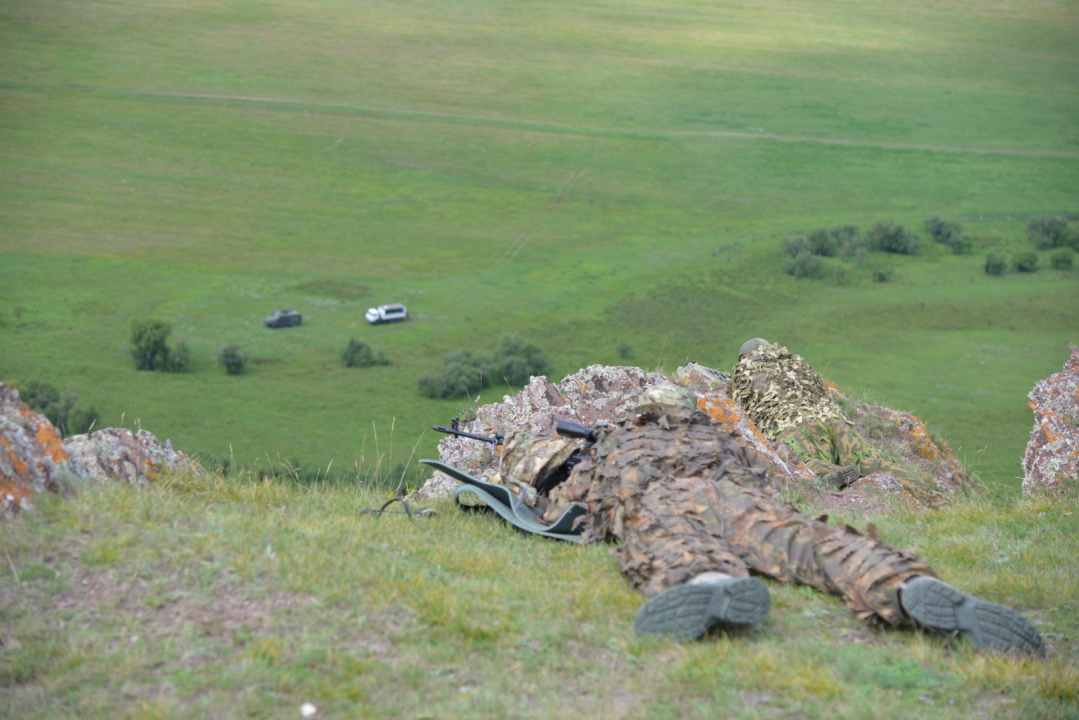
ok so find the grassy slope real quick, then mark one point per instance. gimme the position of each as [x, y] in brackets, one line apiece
[117, 205]
[228, 598]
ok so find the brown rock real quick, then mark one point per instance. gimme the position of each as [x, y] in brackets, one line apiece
[1052, 454]
[118, 455]
[33, 458]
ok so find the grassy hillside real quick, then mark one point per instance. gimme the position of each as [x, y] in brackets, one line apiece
[227, 597]
[561, 170]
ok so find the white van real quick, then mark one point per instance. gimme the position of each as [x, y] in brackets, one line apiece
[386, 314]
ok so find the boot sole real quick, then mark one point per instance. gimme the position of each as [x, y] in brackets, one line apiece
[688, 612]
[938, 606]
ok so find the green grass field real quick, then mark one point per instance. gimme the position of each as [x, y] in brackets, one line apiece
[562, 170]
[227, 597]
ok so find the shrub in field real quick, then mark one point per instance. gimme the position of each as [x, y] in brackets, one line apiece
[861, 257]
[882, 274]
[230, 356]
[148, 342]
[1026, 261]
[891, 237]
[948, 233]
[62, 409]
[823, 243]
[1046, 231]
[463, 373]
[796, 246]
[625, 350]
[360, 354]
[805, 265]
[177, 359]
[516, 359]
[995, 263]
[1062, 259]
[842, 275]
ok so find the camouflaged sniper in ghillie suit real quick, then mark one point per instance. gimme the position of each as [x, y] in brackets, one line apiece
[786, 399]
[779, 390]
[683, 497]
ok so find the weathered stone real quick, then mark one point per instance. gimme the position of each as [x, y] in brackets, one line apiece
[118, 455]
[33, 458]
[703, 379]
[608, 394]
[905, 437]
[596, 394]
[1052, 454]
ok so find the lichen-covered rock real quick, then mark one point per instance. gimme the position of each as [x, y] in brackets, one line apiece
[118, 455]
[32, 456]
[596, 394]
[784, 465]
[703, 379]
[1052, 454]
[907, 438]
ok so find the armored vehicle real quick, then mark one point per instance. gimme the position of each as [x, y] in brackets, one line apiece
[386, 314]
[283, 318]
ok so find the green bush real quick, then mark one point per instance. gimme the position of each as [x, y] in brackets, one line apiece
[823, 243]
[61, 408]
[625, 350]
[796, 246]
[1062, 259]
[463, 373]
[360, 354]
[1026, 261]
[882, 274]
[148, 342]
[948, 233]
[891, 237]
[1046, 231]
[842, 275]
[516, 359]
[230, 356]
[805, 265]
[995, 263]
[177, 359]
[81, 419]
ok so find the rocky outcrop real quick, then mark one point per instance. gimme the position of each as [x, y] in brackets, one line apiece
[34, 459]
[596, 394]
[1052, 455]
[118, 455]
[608, 394]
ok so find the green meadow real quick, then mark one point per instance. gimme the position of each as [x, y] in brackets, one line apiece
[561, 170]
[613, 181]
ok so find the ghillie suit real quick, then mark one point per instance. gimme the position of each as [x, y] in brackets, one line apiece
[683, 497]
[787, 400]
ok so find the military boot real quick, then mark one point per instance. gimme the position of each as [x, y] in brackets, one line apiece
[841, 478]
[934, 604]
[688, 611]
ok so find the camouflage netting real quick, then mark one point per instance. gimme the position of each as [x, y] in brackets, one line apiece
[33, 458]
[1052, 455]
[779, 390]
[608, 394]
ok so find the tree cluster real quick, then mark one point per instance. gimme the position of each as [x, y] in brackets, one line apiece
[465, 372]
[150, 349]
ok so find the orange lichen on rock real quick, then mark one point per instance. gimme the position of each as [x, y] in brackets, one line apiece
[1052, 455]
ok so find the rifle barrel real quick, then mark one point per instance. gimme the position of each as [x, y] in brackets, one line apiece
[462, 433]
